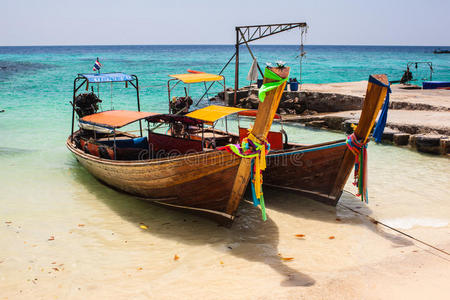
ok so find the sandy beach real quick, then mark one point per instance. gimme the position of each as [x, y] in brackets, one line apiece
[104, 244]
[66, 235]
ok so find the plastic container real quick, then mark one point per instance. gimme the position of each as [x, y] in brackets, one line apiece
[294, 86]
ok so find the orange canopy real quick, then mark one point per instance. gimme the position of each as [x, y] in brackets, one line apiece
[115, 118]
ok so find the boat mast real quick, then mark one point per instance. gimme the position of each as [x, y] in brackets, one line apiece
[375, 95]
[263, 121]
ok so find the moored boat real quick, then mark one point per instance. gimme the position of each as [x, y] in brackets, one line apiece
[441, 51]
[428, 85]
[318, 171]
[171, 169]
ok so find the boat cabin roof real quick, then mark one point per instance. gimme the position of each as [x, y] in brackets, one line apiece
[107, 77]
[115, 118]
[197, 77]
[172, 118]
[212, 113]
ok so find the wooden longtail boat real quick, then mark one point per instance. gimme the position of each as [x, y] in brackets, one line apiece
[320, 171]
[317, 171]
[189, 175]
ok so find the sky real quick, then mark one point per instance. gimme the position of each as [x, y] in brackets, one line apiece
[143, 22]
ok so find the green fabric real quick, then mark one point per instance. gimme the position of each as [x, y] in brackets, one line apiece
[267, 87]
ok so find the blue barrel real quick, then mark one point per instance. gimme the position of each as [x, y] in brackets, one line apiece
[294, 86]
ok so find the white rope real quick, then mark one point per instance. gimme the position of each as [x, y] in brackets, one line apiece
[376, 222]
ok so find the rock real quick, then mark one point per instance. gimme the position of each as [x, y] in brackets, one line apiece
[317, 123]
[253, 99]
[253, 92]
[388, 134]
[229, 96]
[290, 111]
[288, 104]
[334, 122]
[445, 146]
[281, 111]
[248, 105]
[426, 143]
[330, 102]
[347, 127]
[299, 108]
[307, 112]
[401, 139]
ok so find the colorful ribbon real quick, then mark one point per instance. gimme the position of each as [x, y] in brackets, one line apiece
[360, 176]
[381, 123]
[255, 149]
[268, 86]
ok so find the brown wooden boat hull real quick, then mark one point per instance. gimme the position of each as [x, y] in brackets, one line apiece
[311, 171]
[321, 171]
[200, 182]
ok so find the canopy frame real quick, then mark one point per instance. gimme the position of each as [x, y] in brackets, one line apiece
[82, 80]
[176, 81]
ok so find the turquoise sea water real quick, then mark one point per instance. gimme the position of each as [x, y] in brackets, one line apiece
[36, 82]
[36, 86]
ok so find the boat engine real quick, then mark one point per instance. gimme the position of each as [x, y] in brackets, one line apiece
[86, 104]
[180, 105]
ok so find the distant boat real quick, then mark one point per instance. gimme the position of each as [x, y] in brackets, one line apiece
[427, 85]
[439, 51]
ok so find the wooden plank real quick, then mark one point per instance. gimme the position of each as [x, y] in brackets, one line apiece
[263, 121]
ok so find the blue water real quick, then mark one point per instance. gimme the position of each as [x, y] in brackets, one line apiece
[36, 82]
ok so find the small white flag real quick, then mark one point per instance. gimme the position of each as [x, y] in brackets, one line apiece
[253, 73]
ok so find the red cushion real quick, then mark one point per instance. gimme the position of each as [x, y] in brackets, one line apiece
[274, 138]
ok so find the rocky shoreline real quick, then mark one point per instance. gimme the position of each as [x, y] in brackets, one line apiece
[419, 119]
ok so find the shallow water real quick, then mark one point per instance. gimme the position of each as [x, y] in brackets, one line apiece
[63, 234]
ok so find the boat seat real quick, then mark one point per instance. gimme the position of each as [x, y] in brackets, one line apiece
[169, 145]
[135, 143]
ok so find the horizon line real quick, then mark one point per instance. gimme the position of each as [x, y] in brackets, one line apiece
[118, 45]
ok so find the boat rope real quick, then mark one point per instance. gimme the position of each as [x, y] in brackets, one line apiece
[376, 222]
[359, 148]
[307, 150]
[381, 123]
[255, 149]
[303, 32]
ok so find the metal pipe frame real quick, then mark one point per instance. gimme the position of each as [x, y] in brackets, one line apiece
[247, 34]
[85, 81]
